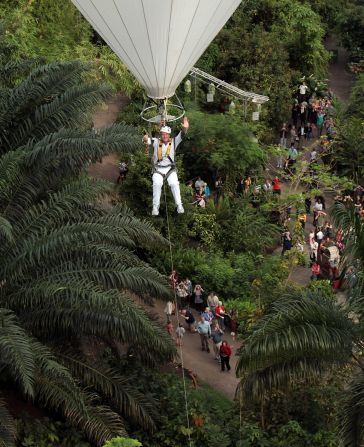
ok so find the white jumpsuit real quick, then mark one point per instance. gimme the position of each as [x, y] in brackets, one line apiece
[163, 167]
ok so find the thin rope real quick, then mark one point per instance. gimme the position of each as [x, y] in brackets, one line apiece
[177, 315]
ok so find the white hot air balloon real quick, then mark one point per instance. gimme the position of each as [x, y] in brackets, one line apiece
[159, 40]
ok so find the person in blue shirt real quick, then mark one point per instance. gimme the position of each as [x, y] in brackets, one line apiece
[204, 329]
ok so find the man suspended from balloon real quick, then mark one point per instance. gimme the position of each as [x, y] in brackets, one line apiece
[164, 164]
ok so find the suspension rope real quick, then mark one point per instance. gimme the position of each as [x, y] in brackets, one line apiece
[177, 316]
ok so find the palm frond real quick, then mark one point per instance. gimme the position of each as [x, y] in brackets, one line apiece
[297, 339]
[16, 351]
[116, 388]
[7, 426]
[352, 416]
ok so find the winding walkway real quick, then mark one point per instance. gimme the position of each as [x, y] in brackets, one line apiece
[202, 363]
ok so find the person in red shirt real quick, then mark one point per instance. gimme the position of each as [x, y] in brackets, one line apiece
[276, 186]
[315, 270]
[220, 315]
[225, 354]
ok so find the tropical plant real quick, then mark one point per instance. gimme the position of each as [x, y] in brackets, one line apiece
[68, 268]
[306, 334]
[122, 442]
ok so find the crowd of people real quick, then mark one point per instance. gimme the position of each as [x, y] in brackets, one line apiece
[200, 191]
[201, 315]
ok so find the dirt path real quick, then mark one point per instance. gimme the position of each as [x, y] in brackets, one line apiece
[340, 82]
[340, 79]
[107, 115]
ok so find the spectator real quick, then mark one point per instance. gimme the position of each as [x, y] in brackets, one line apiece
[206, 191]
[198, 291]
[216, 335]
[190, 319]
[199, 183]
[248, 183]
[181, 293]
[212, 301]
[313, 156]
[276, 186]
[204, 329]
[302, 218]
[319, 122]
[225, 354]
[292, 156]
[313, 250]
[267, 186]
[319, 236]
[169, 328]
[218, 189]
[200, 198]
[208, 315]
[220, 315]
[169, 310]
[302, 91]
[308, 204]
[283, 135]
[180, 332]
[188, 284]
[123, 170]
[173, 279]
[286, 241]
[315, 270]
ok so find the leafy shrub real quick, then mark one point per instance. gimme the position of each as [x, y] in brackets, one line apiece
[122, 442]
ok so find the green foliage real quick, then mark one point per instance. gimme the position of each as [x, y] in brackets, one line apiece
[287, 38]
[122, 442]
[249, 230]
[46, 29]
[208, 413]
[204, 227]
[350, 27]
[47, 433]
[223, 144]
[67, 265]
[299, 338]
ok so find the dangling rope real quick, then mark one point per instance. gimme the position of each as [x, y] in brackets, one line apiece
[177, 315]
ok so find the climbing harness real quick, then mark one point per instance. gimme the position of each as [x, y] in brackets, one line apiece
[171, 165]
[178, 320]
[168, 153]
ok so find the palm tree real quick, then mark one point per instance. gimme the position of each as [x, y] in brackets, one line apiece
[68, 266]
[306, 334]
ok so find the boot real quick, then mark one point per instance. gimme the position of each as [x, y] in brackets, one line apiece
[155, 211]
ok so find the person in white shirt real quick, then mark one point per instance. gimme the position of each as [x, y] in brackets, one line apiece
[319, 236]
[303, 89]
[313, 156]
[164, 149]
[313, 250]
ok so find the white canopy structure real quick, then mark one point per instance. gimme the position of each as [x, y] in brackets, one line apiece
[159, 40]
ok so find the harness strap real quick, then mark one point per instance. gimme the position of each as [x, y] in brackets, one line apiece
[160, 154]
[168, 153]
[165, 176]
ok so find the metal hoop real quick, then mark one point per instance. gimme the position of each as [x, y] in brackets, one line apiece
[162, 109]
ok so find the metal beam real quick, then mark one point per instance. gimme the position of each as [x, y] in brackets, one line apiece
[228, 88]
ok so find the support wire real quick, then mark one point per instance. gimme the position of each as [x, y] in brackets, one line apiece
[177, 316]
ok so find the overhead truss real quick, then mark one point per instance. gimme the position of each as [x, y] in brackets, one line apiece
[229, 89]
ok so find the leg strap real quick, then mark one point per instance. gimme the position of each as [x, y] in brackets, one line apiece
[165, 176]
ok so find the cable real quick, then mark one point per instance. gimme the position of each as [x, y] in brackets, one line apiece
[177, 315]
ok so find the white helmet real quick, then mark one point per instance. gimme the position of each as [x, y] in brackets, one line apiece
[166, 129]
